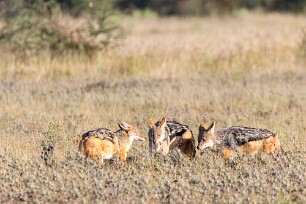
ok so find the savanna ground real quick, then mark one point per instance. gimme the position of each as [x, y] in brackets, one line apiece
[242, 70]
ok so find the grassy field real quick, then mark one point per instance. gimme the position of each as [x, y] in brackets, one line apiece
[241, 70]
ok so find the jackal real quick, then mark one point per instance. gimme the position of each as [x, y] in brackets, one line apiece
[102, 143]
[242, 139]
[166, 135]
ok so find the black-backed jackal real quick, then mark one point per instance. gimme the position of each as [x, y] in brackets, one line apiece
[241, 139]
[102, 143]
[166, 135]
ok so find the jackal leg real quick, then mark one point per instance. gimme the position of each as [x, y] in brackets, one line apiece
[278, 149]
[95, 156]
[165, 147]
[100, 160]
[272, 145]
[227, 153]
[150, 144]
[123, 155]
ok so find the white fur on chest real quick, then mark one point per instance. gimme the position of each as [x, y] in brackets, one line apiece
[107, 156]
[129, 144]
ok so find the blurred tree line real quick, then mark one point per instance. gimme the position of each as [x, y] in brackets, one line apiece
[90, 25]
[207, 7]
[165, 7]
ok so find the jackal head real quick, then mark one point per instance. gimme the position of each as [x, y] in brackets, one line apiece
[159, 132]
[132, 131]
[206, 137]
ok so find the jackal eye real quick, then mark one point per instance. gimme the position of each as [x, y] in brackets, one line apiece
[202, 139]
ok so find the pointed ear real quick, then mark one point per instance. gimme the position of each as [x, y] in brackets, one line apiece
[124, 125]
[162, 123]
[211, 129]
[151, 123]
[202, 127]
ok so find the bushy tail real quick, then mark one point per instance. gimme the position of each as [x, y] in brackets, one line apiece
[81, 145]
[84, 137]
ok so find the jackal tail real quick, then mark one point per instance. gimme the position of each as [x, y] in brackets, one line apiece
[81, 145]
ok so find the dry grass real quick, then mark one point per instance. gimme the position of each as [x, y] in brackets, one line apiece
[238, 71]
[255, 44]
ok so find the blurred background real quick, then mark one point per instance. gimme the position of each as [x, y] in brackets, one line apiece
[87, 26]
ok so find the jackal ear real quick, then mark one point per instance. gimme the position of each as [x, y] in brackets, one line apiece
[162, 123]
[202, 127]
[124, 125]
[211, 128]
[151, 123]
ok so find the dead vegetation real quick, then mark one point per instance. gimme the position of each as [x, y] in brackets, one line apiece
[237, 71]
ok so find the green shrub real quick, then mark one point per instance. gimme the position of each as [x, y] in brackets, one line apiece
[36, 25]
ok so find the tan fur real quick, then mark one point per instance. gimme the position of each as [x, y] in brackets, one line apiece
[227, 153]
[268, 145]
[185, 142]
[187, 135]
[202, 126]
[165, 147]
[151, 122]
[97, 148]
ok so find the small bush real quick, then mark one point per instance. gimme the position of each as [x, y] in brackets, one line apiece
[41, 24]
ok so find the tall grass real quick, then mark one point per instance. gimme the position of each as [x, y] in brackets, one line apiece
[236, 71]
[176, 47]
